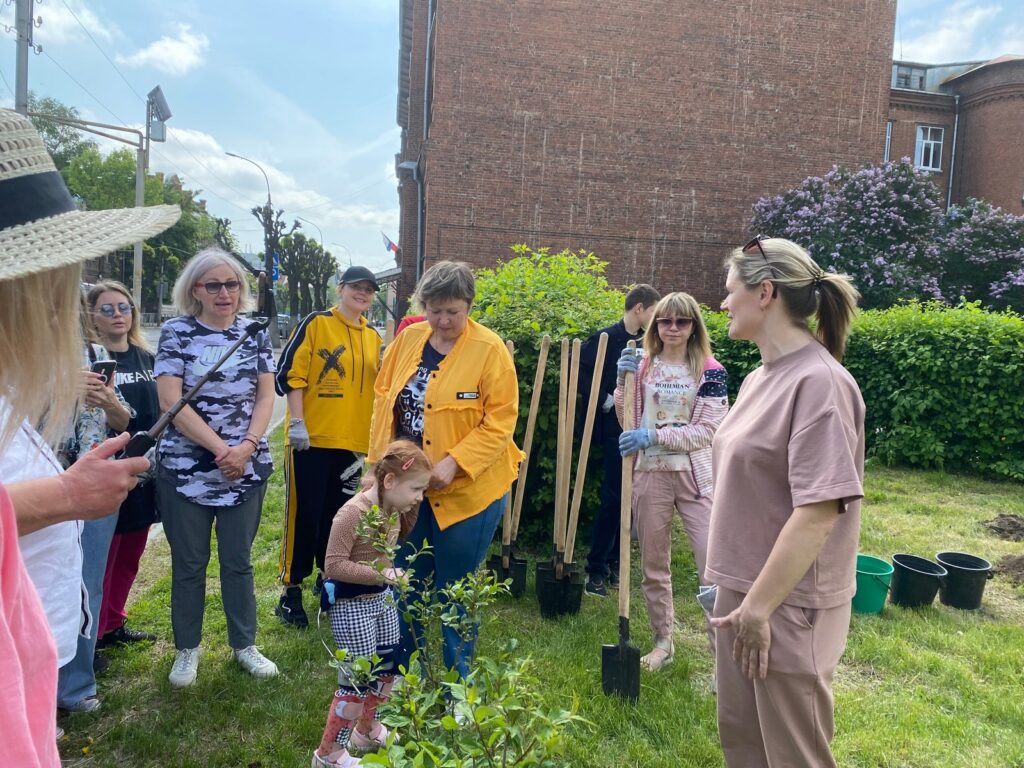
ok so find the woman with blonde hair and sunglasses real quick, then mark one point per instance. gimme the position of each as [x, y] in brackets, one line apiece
[680, 400]
[213, 460]
[115, 320]
[789, 470]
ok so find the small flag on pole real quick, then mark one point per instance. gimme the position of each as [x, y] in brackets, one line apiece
[388, 245]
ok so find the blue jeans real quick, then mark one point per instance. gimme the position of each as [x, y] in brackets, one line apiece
[457, 551]
[76, 680]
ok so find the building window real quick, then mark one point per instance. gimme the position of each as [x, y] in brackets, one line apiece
[888, 141]
[928, 150]
[909, 77]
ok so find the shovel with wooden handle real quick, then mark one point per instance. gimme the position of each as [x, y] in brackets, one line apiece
[581, 463]
[519, 565]
[620, 664]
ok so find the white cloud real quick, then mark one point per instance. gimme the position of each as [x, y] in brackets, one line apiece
[172, 55]
[968, 30]
[59, 26]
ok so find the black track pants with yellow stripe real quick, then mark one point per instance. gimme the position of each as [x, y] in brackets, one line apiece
[318, 481]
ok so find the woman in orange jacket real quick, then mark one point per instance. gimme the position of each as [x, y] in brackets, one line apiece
[449, 385]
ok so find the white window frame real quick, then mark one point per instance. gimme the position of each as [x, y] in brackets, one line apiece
[928, 148]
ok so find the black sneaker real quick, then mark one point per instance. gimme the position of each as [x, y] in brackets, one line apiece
[99, 664]
[613, 578]
[123, 636]
[596, 588]
[318, 585]
[289, 608]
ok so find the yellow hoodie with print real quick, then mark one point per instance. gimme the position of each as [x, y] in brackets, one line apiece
[334, 362]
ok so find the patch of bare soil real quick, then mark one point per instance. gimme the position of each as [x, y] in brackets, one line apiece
[1012, 567]
[1009, 527]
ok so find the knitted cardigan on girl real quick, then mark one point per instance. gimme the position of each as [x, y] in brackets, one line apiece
[709, 409]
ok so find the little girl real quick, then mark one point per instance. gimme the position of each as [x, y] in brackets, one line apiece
[363, 618]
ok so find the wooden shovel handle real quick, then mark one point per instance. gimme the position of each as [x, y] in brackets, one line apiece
[531, 423]
[506, 517]
[563, 388]
[581, 463]
[570, 429]
[626, 511]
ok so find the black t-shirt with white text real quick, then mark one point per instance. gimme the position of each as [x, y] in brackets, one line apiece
[409, 405]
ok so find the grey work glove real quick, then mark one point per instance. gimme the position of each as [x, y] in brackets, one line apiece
[298, 435]
[628, 362]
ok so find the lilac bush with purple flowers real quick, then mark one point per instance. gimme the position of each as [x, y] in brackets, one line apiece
[884, 225]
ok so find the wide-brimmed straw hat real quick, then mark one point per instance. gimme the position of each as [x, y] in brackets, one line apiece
[41, 227]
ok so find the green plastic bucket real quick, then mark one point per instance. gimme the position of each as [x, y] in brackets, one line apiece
[873, 576]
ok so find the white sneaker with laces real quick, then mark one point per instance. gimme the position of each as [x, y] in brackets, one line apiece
[255, 663]
[185, 669]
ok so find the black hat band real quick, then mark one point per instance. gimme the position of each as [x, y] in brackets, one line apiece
[25, 199]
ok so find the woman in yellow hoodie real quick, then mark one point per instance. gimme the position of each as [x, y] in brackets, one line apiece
[327, 371]
[449, 385]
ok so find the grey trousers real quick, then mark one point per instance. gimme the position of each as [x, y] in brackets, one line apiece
[187, 527]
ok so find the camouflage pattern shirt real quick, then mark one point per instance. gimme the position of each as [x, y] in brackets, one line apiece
[188, 349]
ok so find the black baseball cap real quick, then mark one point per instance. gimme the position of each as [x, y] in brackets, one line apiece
[358, 275]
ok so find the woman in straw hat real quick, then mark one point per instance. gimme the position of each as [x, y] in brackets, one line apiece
[43, 240]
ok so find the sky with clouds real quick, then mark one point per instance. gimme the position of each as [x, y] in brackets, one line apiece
[308, 91]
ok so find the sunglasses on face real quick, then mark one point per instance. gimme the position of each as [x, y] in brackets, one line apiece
[213, 287]
[674, 322]
[756, 243]
[122, 307]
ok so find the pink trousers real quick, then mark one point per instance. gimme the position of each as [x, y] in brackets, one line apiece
[785, 720]
[122, 567]
[657, 497]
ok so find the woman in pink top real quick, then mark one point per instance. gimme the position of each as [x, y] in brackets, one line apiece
[789, 468]
[680, 400]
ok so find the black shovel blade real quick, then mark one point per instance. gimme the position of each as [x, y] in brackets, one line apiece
[620, 669]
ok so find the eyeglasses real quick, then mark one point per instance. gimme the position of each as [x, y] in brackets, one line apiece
[673, 322]
[213, 287]
[122, 307]
[757, 242]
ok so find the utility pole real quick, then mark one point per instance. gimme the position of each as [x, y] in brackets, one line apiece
[24, 25]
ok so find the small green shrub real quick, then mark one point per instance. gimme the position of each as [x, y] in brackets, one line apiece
[564, 295]
[944, 387]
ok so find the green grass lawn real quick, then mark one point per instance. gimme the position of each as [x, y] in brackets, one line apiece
[935, 687]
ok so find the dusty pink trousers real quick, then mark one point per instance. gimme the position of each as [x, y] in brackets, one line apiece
[785, 720]
[122, 567]
[657, 496]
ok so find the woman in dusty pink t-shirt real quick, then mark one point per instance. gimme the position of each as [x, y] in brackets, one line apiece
[680, 400]
[789, 467]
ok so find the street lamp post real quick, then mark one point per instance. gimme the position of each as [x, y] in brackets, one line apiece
[318, 230]
[348, 252]
[268, 254]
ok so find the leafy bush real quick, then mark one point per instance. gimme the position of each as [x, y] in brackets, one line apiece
[564, 295]
[884, 226]
[494, 719]
[877, 224]
[982, 249]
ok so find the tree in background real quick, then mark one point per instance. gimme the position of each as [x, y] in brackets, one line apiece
[104, 182]
[877, 224]
[983, 255]
[63, 142]
[885, 227]
[309, 268]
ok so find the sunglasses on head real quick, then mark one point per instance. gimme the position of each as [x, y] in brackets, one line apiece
[122, 307]
[214, 287]
[673, 322]
[756, 243]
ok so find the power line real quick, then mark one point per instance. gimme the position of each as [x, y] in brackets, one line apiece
[6, 84]
[144, 100]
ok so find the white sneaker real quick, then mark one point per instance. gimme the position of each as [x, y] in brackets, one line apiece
[255, 663]
[185, 669]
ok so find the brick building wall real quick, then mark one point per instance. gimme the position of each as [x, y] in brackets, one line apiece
[990, 161]
[910, 110]
[643, 130]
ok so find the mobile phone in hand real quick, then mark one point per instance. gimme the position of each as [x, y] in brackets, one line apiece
[106, 369]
